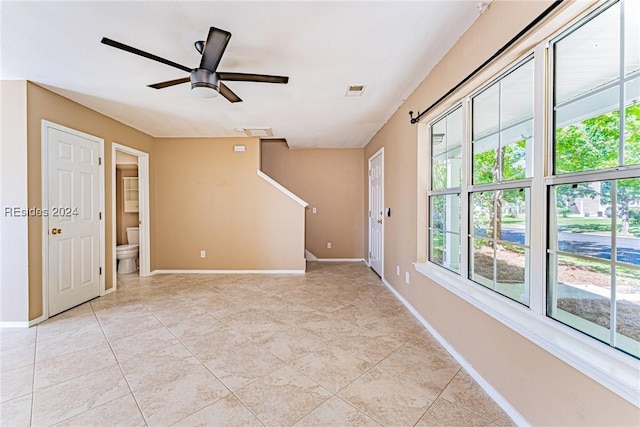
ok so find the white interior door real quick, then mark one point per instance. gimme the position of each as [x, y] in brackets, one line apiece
[376, 214]
[73, 190]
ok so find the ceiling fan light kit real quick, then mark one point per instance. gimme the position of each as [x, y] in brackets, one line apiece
[206, 81]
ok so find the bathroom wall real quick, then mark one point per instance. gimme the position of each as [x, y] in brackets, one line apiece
[124, 219]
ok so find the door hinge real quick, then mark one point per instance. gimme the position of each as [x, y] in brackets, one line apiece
[100, 270]
[100, 215]
[99, 160]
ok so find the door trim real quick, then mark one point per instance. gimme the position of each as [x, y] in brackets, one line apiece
[143, 184]
[380, 152]
[45, 125]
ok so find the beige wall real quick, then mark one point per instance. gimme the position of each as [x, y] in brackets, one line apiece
[45, 105]
[545, 390]
[331, 181]
[124, 219]
[210, 198]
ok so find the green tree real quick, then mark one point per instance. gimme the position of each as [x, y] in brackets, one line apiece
[594, 144]
[504, 164]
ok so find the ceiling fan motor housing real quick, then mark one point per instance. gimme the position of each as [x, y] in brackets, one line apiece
[205, 82]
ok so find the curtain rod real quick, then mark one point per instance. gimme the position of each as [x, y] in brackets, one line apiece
[488, 61]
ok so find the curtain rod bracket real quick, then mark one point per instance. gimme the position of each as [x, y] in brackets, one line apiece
[415, 119]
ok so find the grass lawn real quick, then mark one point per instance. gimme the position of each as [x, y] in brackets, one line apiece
[581, 225]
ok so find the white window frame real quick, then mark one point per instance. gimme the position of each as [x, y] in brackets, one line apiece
[608, 366]
[525, 183]
[619, 172]
[448, 191]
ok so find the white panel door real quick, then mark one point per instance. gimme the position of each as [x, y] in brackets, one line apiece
[73, 217]
[376, 213]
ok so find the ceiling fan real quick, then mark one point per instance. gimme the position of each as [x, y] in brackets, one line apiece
[205, 80]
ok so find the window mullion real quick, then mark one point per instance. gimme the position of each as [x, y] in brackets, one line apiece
[537, 279]
[614, 259]
[614, 187]
[621, 125]
[464, 193]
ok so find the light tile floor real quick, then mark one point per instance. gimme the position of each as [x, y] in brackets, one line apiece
[330, 348]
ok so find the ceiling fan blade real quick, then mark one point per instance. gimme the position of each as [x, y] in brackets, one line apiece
[170, 83]
[214, 48]
[228, 93]
[139, 52]
[261, 78]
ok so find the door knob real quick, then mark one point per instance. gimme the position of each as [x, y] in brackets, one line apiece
[56, 231]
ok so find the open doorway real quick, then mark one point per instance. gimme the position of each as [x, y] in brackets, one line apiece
[130, 212]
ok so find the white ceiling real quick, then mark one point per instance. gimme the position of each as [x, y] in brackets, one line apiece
[323, 46]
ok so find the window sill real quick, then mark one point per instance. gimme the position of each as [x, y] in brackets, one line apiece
[613, 369]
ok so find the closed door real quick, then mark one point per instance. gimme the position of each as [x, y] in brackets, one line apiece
[376, 213]
[73, 220]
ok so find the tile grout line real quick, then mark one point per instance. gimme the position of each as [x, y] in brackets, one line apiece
[201, 363]
[267, 291]
[438, 396]
[121, 370]
[33, 382]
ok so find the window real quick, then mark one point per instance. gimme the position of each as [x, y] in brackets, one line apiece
[502, 139]
[444, 200]
[593, 250]
[503, 128]
[550, 221]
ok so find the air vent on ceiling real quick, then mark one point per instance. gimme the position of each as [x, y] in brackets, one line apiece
[261, 132]
[355, 90]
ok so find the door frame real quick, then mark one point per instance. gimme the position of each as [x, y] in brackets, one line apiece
[143, 203]
[45, 126]
[380, 153]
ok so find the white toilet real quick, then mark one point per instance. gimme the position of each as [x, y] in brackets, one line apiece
[127, 255]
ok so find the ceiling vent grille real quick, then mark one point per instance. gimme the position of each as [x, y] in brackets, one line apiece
[261, 132]
[355, 90]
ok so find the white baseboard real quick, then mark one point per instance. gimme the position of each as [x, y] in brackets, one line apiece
[309, 256]
[340, 260]
[14, 324]
[228, 272]
[493, 393]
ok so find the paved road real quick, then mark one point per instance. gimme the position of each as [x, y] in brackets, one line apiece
[595, 245]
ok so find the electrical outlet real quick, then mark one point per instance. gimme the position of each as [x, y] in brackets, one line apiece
[398, 270]
[328, 245]
[203, 254]
[313, 210]
[406, 277]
